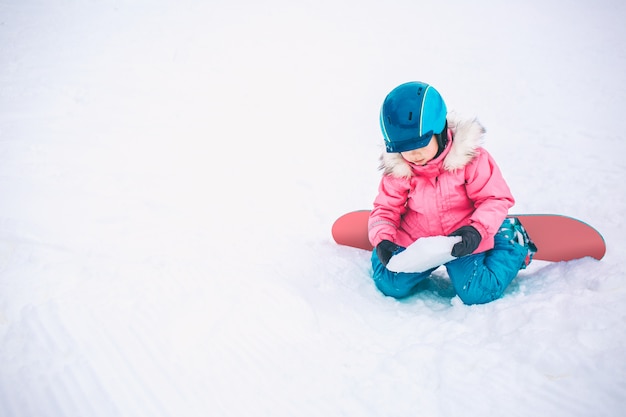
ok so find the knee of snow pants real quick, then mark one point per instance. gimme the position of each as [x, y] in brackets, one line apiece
[395, 284]
[483, 277]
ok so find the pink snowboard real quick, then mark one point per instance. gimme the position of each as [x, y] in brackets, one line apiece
[558, 238]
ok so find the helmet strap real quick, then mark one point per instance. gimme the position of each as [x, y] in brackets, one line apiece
[442, 139]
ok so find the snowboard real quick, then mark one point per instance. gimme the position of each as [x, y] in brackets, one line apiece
[558, 238]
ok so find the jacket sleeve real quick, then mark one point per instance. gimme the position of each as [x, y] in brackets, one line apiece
[490, 193]
[389, 206]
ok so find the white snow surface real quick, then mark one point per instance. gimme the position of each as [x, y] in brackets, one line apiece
[424, 254]
[169, 175]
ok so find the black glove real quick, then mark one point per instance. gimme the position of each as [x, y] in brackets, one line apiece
[470, 239]
[384, 251]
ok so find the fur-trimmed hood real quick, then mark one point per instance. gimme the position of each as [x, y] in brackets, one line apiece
[467, 137]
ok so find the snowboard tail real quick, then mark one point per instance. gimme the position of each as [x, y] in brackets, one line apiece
[558, 238]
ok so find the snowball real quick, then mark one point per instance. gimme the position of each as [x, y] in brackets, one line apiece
[423, 254]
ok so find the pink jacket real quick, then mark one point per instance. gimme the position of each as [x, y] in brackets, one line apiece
[462, 186]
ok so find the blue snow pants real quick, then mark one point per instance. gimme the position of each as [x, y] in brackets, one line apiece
[477, 279]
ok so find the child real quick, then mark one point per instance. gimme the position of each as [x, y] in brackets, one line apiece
[438, 180]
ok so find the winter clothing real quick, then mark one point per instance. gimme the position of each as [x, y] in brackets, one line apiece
[410, 115]
[396, 284]
[385, 250]
[513, 230]
[477, 279]
[470, 239]
[483, 277]
[462, 186]
[459, 192]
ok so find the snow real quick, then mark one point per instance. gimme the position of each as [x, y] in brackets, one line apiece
[424, 254]
[170, 171]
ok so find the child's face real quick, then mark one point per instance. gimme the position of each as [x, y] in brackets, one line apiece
[423, 155]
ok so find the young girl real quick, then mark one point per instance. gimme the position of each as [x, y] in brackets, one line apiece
[438, 180]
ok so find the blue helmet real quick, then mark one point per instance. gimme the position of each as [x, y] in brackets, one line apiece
[411, 114]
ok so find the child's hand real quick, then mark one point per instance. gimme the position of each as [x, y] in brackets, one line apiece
[385, 250]
[470, 239]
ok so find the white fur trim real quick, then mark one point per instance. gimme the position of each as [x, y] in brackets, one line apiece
[467, 135]
[395, 164]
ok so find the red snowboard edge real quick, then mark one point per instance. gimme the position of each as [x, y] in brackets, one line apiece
[558, 237]
[562, 238]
